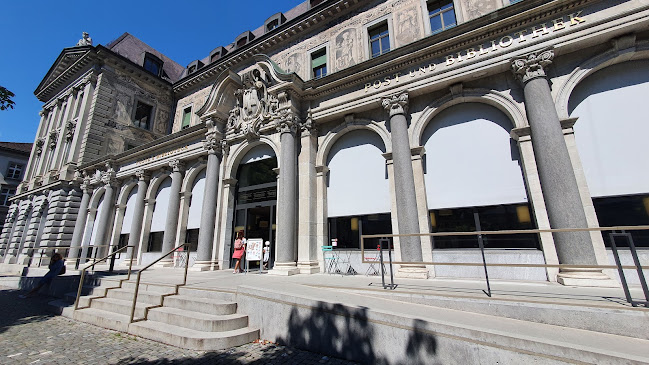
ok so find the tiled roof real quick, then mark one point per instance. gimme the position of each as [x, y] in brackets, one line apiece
[21, 147]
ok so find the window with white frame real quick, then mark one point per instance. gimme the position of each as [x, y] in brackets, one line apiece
[5, 194]
[14, 170]
[379, 39]
[187, 117]
[319, 63]
[441, 15]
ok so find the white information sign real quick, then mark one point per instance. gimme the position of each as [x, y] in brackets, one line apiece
[254, 249]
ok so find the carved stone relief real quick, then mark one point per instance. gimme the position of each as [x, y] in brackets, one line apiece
[407, 26]
[478, 8]
[346, 49]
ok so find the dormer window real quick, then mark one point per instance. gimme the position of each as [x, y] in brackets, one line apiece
[217, 53]
[152, 64]
[314, 3]
[274, 22]
[194, 66]
[192, 69]
[243, 39]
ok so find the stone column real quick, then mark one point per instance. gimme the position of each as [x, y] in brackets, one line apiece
[104, 221]
[404, 185]
[560, 190]
[138, 216]
[307, 253]
[80, 224]
[208, 216]
[285, 254]
[171, 223]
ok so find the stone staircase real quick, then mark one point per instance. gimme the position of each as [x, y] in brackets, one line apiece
[193, 319]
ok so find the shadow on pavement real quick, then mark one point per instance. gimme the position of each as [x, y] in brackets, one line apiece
[16, 311]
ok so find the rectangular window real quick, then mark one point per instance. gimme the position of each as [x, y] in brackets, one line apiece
[379, 40]
[187, 117]
[152, 65]
[78, 108]
[630, 210]
[487, 218]
[347, 231]
[441, 15]
[143, 115]
[14, 171]
[319, 63]
[5, 194]
[155, 242]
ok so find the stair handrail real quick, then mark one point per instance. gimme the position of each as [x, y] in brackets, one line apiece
[92, 265]
[139, 274]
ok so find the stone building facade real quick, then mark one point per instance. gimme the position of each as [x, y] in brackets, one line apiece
[13, 160]
[344, 118]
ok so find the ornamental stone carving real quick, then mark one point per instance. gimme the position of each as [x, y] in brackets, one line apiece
[142, 175]
[177, 165]
[39, 146]
[108, 178]
[254, 105]
[532, 65]
[308, 126]
[54, 139]
[85, 40]
[86, 185]
[212, 145]
[70, 127]
[288, 122]
[396, 104]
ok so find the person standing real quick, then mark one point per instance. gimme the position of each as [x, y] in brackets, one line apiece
[239, 251]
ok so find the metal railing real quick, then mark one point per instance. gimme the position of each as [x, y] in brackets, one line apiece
[638, 267]
[177, 286]
[92, 265]
[65, 254]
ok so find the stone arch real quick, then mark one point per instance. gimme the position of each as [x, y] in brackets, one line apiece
[618, 54]
[125, 191]
[190, 176]
[97, 194]
[333, 135]
[490, 97]
[237, 154]
[156, 180]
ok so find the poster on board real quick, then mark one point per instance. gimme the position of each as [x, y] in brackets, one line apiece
[254, 249]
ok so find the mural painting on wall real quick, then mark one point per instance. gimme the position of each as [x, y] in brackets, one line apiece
[407, 26]
[478, 8]
[161, 122]
[293, 64]
[346, 52]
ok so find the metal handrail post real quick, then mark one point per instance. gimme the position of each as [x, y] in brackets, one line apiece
[638, 266]
[620, 269]
[139, 275]
[382, 266]
[92, 265]
[391, 269]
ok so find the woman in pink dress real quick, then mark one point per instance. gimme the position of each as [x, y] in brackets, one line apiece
[239, 250]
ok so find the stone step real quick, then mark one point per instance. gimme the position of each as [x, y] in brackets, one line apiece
[151, 287]
[227, 296]
[619, 320]
[103, 318]
[193, 339]
[198, 321]
[149, 297]
[201, 305]
[118, 306]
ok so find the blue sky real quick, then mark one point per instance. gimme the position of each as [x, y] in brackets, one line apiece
[34, 33]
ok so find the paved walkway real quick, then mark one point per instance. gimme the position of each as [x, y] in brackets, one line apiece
[30, 335]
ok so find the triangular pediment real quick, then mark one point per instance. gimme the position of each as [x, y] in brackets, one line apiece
[70, 61]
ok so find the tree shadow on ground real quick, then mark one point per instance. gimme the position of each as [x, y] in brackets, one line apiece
[348, 332]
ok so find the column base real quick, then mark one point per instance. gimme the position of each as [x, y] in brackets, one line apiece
[284, 269]
[308, 267]
[205, 266]
[587, 278]
[412, 272]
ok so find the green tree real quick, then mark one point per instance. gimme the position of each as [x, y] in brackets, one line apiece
[5, 99]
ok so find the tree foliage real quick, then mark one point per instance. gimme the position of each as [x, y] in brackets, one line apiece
[5, 99]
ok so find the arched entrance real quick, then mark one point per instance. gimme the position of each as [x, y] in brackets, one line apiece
[256, 199]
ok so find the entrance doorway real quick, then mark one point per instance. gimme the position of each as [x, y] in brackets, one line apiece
[255, 206]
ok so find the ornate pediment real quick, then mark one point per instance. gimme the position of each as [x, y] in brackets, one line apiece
[70, 62]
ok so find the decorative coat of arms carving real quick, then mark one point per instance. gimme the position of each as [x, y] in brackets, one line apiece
[255, 106]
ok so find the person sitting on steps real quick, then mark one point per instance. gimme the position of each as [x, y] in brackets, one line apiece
[56, 266]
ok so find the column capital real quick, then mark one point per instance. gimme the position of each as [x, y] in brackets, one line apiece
[86, 185]
[288, 122]
[142, 175]
[213, 145]
[532, 65]
[396, 104]
[177, 165]
[109, 179]
[308, 127]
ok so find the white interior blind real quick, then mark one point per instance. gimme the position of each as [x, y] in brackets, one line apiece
[612, 129]
[127, 223]
[357, 176]
[470, 160]
[98, 215]
[196, 207]
[161, 204]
